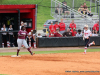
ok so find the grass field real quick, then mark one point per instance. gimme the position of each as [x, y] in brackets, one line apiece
[49, 52]
[44, 12]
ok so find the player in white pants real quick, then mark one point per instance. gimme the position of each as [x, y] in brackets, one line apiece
[21, 40]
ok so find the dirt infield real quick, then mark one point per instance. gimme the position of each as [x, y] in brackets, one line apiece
[51, 64]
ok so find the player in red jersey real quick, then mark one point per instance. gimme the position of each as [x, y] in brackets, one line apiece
[56, 26]
[51, 29]
[72, 25]
[21, 40]
[62, 26]
[96, 28]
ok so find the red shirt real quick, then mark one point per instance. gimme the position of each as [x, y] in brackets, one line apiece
[57, 35]
[97, 27]
[72, 25]
[21, 33]
[73, 33]
[51, 28]
[62, 26]
[56, 26]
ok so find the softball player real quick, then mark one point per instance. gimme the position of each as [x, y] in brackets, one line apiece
[21, 40]
[86, 37]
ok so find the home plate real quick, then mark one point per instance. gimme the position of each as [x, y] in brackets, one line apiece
[15, 56]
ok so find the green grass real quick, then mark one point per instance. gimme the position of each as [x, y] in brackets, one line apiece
[49, 52]
[44, 12]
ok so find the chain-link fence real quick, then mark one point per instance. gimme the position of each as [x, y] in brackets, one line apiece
[75, 4]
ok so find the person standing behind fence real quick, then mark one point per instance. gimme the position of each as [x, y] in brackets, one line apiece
[51, 29]
[62, 26]
[72, 25]
[11, 36]
[21, 40]
[56, 26]
[4, 36]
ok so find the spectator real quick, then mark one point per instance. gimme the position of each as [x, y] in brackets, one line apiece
[11, 36]
[73, 32]
[84, 5]
[79, 34]
[86, 11]
[39, 35]
[22, 24]
[57, 33]
[65, 9]
[67, 33]
[62, 26]
[4, 36]
[72, 25]
[56, 26]
[96, 28]
[80, 10]
[51, 29]
[58, 10]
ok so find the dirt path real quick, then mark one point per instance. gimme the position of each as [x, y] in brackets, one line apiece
[51, 64]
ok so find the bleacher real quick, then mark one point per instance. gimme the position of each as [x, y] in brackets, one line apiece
[79, 19]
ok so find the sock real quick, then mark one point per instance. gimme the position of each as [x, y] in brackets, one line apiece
[29, 44]
[29, 50]
[18, 51]
[3, 45]
[34, 45]
[8, 44]
[90, 44]
[85, 49]
[13, 44]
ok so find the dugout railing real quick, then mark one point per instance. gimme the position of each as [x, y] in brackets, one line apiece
[64, 41]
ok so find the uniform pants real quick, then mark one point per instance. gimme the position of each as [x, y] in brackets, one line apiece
[20, 42]
[87, 42]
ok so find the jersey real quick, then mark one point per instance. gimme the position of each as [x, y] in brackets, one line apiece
[57, 35]
[87, 33]
[10, 29]
[2, 29]
[62, 26]
[51, 28]
[56, 27]
[72, 25]
[96, 26]
[22, 33]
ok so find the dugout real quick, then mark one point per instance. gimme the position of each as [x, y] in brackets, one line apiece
[14, 14]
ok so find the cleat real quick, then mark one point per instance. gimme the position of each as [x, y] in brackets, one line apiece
[84, 53]
[33, 54]
[93, 43]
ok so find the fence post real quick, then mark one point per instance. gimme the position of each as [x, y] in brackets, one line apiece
[73, 4]
[90, 4]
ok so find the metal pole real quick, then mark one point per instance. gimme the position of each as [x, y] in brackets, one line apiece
[95, 6]
[73, 4]
[51, 6]
[90, 4]
[99, 18]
